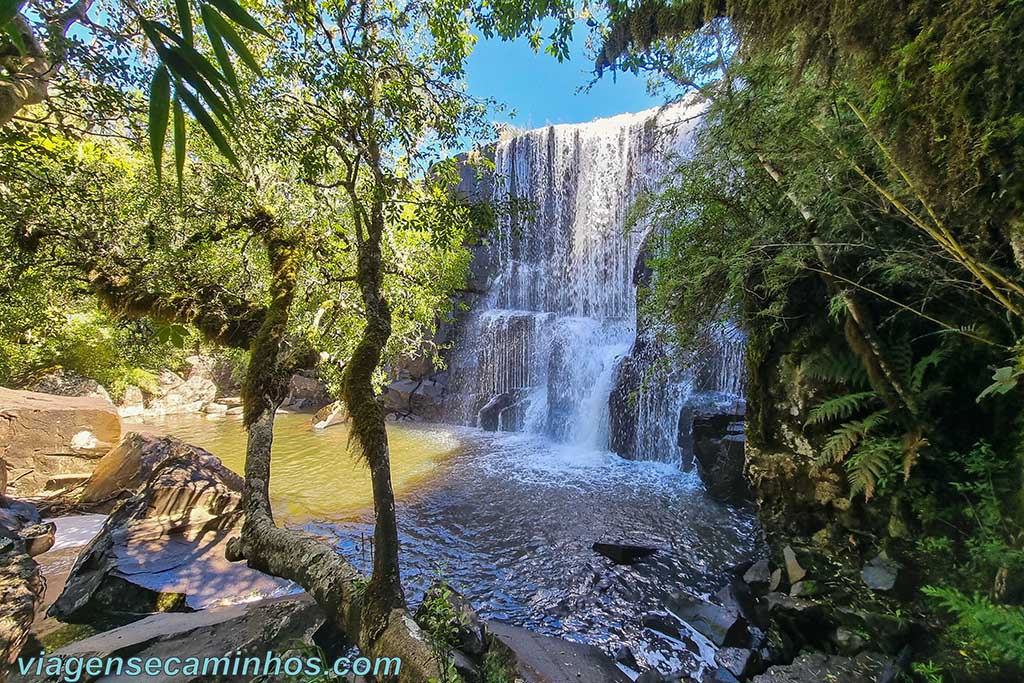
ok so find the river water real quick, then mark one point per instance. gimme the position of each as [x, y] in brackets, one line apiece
[508, 519]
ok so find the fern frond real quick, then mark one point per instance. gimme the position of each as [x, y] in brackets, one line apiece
[841, 442]
[901, 355]
[839, 408]
[838, 368]
[933, 359]
[869, 464]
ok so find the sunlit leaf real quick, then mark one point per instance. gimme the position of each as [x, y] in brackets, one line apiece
[159, 111]
[226, 30]
[209, 125]
[179, 139]
[185, 20]
[237, 14]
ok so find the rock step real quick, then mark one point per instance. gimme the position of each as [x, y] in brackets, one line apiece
[545, 659]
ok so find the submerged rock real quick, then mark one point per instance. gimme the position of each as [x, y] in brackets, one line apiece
[163, 548]
[723, 626]
[624, 553]
[43, 436]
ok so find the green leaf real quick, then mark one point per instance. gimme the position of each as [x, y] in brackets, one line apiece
[223, 58]
[181, 68]
[159, 110]
[185, 20]
[209, 125]
[839, 408]
[1005, 381]
[237, 14]
[179, 139]
[224, 28]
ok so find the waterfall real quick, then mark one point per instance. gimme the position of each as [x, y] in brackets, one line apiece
[544, 350]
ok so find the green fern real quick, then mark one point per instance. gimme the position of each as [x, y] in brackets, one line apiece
[990, 630]
[872, 465]
[840, 407]
[933, 359]
[846, 437]
[839, 368]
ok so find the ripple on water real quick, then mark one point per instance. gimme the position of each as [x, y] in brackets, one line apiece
[509, 520]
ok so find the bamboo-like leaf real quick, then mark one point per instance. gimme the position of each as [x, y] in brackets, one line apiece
[185, 20]
[223, 58]
[208, 76]
[237, 14]
[179, 138]
[183, 69]
[159, 110]
[209, 125]
[212, 18]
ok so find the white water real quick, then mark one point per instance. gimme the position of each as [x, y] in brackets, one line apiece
[545, 347]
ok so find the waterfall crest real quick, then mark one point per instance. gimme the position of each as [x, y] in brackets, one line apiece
[544, 350]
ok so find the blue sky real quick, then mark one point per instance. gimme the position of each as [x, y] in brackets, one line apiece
[544, 91]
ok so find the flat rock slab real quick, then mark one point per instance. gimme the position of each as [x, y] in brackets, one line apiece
[544, 659]
[43, 436]
[251, 630]
[867, 667]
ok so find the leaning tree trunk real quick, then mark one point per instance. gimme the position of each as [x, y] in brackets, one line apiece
[316, 566]
[384, 592]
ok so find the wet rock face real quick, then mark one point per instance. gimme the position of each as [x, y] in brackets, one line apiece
[719, 448]
[816, 667]
[44, 436]
[162, 549]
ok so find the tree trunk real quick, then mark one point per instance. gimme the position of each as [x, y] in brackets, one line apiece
[384, 592]
[333, 582]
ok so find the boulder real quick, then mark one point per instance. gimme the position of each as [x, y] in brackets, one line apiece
[123, 471]
[306, 393]
[867, 667]
[44, 435]
[62, 382]
[501, 413]
[252, 630]
[177, 395]
[331, 414]
[132, 402]
[424, 398]
[163, 549]
[719, 448]
[723, 626]
[759, 576]
[794, 572]
[21, 591]
[624, 553]
[534, 658]
[38, 538]
[880, 573]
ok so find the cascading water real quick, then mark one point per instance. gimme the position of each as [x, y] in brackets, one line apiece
[542, 352]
